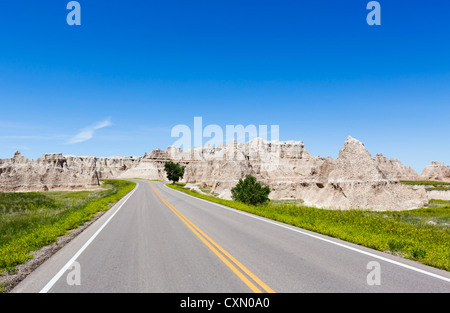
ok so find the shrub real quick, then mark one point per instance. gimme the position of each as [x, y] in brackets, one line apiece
[174, 171]
[418, 253]
[250, 191]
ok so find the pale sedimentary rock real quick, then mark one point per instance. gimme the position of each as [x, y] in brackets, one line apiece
[50, 172]
[436, 171]
[354, 179]
[394, 169]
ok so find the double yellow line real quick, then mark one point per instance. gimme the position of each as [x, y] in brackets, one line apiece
[223, 254]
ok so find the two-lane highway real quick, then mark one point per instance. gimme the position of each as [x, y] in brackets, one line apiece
[160, 240]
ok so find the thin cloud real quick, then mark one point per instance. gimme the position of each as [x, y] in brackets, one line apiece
[88, 132]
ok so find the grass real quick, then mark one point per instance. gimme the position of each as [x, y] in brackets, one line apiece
[32, 220]
[434, 185]
[422, 234]
[437, 188]
[425, 183]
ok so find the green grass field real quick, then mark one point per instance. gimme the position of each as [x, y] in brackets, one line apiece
[432, 185]
[32, 220]
[425, 183]
[422, 234]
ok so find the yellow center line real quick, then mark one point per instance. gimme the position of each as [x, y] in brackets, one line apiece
[200, 234]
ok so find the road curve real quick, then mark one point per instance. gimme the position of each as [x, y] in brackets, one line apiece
[160, 240]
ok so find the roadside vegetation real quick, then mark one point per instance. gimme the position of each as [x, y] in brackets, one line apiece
[32, 220]
[422, 234]
[250, 191]
[174, 171]
[432, 185]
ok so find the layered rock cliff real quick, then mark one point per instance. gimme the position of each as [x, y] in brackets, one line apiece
[354, 179]
[50, 172]
[436, 171]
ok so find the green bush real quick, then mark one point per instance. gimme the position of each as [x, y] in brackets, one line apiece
[250, 191]
[418, 253]
[174, 171]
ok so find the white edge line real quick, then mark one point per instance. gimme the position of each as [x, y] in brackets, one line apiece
[320, 238]
[69, 264]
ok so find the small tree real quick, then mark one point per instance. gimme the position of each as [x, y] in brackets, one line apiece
[174, 171]
[250, 191]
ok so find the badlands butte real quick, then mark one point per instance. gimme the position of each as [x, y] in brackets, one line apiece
[354, 179]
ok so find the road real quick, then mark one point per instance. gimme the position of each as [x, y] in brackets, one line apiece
[160, 240]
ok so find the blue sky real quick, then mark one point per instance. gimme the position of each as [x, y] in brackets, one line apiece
[119, 83]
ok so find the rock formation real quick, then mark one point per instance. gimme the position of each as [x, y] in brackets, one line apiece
[110, 167]
[50, 172]
[354, 179]
[394, 169]
[436, 171]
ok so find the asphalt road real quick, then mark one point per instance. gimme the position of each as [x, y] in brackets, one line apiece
[160, 240]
